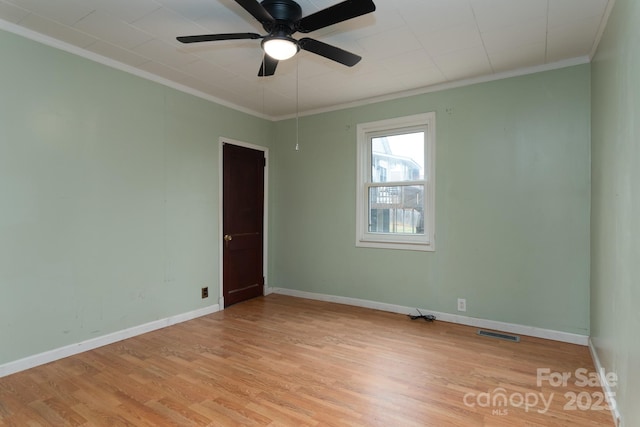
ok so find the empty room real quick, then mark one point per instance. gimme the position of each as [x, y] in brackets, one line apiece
[319, 212]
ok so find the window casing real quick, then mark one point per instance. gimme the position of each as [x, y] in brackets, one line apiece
[395, 200]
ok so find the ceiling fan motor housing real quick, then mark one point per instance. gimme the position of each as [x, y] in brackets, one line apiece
[285, 13]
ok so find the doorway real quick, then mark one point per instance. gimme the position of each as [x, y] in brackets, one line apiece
[243, 219]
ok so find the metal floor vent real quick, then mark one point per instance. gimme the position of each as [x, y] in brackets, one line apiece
[507, 337]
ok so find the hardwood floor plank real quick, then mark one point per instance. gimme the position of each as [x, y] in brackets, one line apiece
[284, 361]
[101, 417]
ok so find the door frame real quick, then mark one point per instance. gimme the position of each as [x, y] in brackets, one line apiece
[265, 216]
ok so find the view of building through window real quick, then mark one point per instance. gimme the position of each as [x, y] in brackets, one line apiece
[399, 161]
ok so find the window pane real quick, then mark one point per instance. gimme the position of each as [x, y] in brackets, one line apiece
[397, 209]
[397, 158]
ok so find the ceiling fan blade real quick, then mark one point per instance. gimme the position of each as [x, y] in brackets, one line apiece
[268, 67]
[330, 52]
[256, 10]
[216, 37]
[337, 13]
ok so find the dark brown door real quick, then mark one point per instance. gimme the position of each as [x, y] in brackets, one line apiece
[242, 223]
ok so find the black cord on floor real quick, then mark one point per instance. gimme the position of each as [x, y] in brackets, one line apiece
[426, 317]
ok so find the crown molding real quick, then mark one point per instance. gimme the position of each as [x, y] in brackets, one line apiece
[57, 44]
[112, 63]
[580, 60]
[601, 28]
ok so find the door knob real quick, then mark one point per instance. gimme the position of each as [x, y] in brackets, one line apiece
[227, 238]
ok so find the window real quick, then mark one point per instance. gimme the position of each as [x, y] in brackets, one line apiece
[396, 183]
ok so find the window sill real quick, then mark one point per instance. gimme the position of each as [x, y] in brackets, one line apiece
[422, 247]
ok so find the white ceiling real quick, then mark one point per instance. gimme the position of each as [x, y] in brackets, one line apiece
[406, 45]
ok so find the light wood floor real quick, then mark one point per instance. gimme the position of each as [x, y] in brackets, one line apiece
[284, 361]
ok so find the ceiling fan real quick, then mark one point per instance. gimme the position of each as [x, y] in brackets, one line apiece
[282, 18]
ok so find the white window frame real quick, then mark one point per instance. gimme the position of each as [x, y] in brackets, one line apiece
[365, 131]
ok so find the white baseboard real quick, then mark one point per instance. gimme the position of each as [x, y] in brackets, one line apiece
[70, 350]
[446, 317]
[608, 391]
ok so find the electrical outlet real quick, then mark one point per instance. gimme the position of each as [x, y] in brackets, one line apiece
[462, 304]
[205, 292]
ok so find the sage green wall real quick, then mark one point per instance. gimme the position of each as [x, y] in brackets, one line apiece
[108, 198]
[615, 253]
[109, 189]
[512, 202]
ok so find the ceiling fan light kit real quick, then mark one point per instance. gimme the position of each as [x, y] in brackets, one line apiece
[282, 18]
[280, 48]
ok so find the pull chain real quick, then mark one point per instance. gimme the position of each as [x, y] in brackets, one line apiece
[297, 106]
